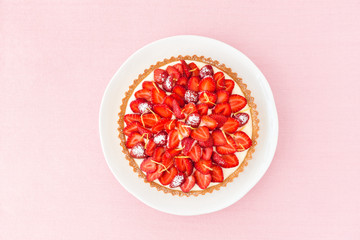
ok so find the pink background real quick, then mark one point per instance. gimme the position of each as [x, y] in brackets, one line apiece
[57, 58]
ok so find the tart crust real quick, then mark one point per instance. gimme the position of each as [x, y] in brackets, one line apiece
[250, 102]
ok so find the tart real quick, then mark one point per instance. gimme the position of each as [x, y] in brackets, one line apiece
[188, 125]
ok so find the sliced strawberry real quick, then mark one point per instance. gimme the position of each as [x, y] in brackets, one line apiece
[225, 161]
[173, 138]
[146, 133]
[159, 125]
[237, 102]
[130, 128]
[242, 140]
[193, 120]
[228, 148]
[179, 90]
[217, 174]
[242, 118]
[190, 108]
[148, 165]
[222, 96]
[135, 104]
[167, 160]
[167, 177]
[229, 85]
[188, 184]
[158, 152]
[219, 118]
[143, 93]
[207, 84]
[202, 108]
[138, 151]
[223, 109]
[179, 163]
[202, 180]
[177, 110]
[145, 107]
[182, 81]
[168, 84]
[130, 118]
[195, 71]
[201, 133]
[207, 153]
[173, 72]
[170, 125]
[160, 138]
[149, 119]
[184, 130]
[134, 139]
[219, 78]
[173, 151]
[179, 99]
[150, 85]
[188, 166]
[203, 166]
[206, 71]
[180, 69]
[208, 98]
[195, 153]
[208, 122]
[178, 180]
[231, 125]
[193, 84]
[168, 100]
[191, 96]
[218, 138]
[163, 110]
[150, 147]
[208, 143]
[160, 75]
[155, 175]
[186, 68]
[157, 96]
[187, 144]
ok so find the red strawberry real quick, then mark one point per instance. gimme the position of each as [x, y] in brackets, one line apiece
[179, 90]
[242, 141]
[146, 133]
[188, 166]
[158, 152]
[207, 152]
[178, 180]
[149, 119]
[138, 151]
[149, 85]
[155, 175]
[160, 75]
[207, 84]
[173, 72]
[168, 84]
[208, 98]
[170, 125]
[173, 151]
[167, 160]
[177, 110]
[167, 177]
[193, 84]
[179, 99]
[203, 166]
[242, 118]
[190, 108]
[173, 139]
[237, 102]
[228, 148]
[130, 128]
[188, 184]
[145, 107]
[143, 93]
[222, 96]
[168, 100]
[229, 85]
[187, 144]
[163, 110]
[160, 138]
[219, 78]
[179, 163]
[225, 161]
[223, 108]
[195, 71]
[184, 130]
[218, 138]
[217, 174]
[193, 120]
[159, 125]
[231, 125]
[208, 143]
[148, 165]
[150, 147]
[191, 96]
[157, 96]
[180, 69]
[202, 180]
[134, 139]
[186, 68]
[208, 122]
[182, 81]
[201, 133]
[206, 71]
[219, 118]
[135, 104]
[202, 108]
[195, 153]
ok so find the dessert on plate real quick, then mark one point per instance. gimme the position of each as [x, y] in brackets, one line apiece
[188, 125]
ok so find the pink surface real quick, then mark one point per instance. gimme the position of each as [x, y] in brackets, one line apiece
[57, 58]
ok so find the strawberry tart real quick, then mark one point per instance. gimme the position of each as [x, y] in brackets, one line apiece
[188, 125]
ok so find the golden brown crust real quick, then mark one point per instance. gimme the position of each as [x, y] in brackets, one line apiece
[250, 101]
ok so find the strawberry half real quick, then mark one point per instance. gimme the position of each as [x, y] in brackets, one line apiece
[178, 180]
[184, 130]
[148, 165]
[223, 109]
[188, 184]
[208, 98]
[195, 71]
[228, 148]
[195, 153]
[229, 85]
[177, 110]
[187, 144]
[190, 108]
[207, 153]
[202, 180]
[182, 81]
[159, 125]
[207, 84]
[242, 118]
[203, 166]
[202, 108]
[134, 139]
[193, 84]
[208, 122]
[130, 128]
[130, 118]
[242, 141]
[150, 147]
[208, 143]
[179, 90]
[222, 96]
[201, 133]
[143, 93]
[149, 119]
[167, 177]
[217, 174]
[219, 118]
[186, 68]
[160, 75]
[225, 161]
[180, 69]
[168, 100]
[218, 138]
[163, 110]
[134, 105]
[173, 138]
[158, 152]
[237, 102]
[155, 175]
[219, 78]
[157, 96]
[170, 125]
[231, 125]
[179, 99]
[173, 72]
[149, 85]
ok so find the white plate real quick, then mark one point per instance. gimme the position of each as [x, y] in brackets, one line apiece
[201, 46]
